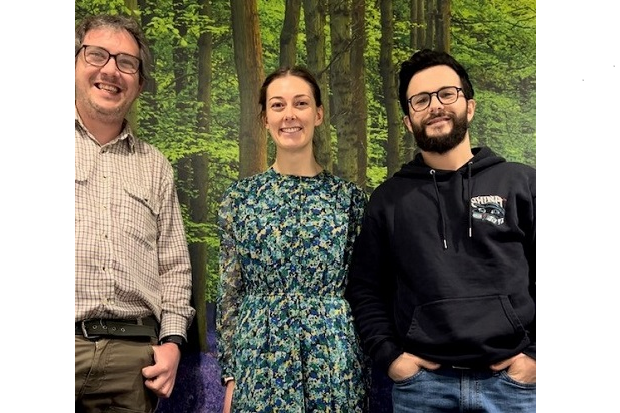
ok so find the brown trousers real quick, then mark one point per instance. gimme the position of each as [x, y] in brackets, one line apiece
[108, 376]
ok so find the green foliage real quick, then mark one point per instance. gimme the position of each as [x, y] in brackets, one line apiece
[85, 8]
[496, 41]
[271, 19]
[499, 123]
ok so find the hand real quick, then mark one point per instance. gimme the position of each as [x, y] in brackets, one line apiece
[160, 377]
[407, 365]
[521, 368]
[230, 386]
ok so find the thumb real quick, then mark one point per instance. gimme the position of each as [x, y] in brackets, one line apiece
[429, 365]
[502, 364]
[149, 372]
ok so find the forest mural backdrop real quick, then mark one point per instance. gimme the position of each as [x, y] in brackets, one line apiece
[201, 109]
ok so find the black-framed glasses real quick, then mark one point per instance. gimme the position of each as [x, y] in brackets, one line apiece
[446, 96]
[98, 56]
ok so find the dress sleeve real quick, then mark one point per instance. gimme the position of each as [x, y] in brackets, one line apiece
[230, 287]
[356, 213]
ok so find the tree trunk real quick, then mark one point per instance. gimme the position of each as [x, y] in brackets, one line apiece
[417, 38]
[250, 73]
[340, 78]
[315, 21]
[390, 88]
[358, 87]
[181, 57]
[198, 206]
[443, 25]
[430, 23]
[149, 93]
[418, 33]
[288, 36]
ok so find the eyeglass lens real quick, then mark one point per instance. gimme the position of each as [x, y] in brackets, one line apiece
[99, 56]
[446, 96]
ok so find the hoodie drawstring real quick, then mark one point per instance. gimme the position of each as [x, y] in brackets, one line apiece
[441, 214]
[469, 164]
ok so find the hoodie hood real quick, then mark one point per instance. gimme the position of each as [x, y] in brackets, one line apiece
[483, 158]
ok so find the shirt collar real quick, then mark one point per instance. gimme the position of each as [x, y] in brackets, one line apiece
[125, 135]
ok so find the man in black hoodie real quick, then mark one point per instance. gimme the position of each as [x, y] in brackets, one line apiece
[443, 277]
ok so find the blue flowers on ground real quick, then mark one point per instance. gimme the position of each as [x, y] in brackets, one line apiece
[197, 388]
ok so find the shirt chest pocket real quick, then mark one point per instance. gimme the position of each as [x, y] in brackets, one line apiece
[139, 214]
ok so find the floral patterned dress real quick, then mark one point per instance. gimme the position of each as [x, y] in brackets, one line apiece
[285, 331]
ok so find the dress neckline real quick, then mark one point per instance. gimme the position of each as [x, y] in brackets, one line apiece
[285, 176]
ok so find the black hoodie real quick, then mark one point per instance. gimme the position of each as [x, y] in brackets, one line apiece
[445, 265]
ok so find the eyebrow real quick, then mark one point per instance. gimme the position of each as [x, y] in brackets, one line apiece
[439, 88]
[301, 95]
[107, 50]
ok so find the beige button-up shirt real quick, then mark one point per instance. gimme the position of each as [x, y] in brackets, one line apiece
[131, 254]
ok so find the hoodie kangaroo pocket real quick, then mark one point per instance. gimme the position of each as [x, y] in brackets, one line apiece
[467, 328]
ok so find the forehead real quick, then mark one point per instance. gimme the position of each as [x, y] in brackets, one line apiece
[432, 79]
[114, 40]
[288, 86]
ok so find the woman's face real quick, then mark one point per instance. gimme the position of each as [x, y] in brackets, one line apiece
[291, 113]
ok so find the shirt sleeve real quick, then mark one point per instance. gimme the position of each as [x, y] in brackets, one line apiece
[174, 263]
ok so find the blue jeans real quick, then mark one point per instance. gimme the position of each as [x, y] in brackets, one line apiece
[463, 390]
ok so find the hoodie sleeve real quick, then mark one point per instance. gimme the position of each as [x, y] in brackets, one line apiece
[531, 259]
[369, 292]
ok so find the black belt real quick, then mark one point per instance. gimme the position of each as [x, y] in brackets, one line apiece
[101, 327]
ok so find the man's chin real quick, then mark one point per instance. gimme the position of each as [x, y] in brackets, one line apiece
[439, 132]
[108, 108]
[109, 116]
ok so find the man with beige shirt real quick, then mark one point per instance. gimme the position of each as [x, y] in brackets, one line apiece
[133, 278]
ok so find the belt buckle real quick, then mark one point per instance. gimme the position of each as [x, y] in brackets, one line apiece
[85, 330]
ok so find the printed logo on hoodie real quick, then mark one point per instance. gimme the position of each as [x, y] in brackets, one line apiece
[488, 208]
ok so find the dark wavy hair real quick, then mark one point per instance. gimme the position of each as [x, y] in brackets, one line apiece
[424, 59]
[117, 22]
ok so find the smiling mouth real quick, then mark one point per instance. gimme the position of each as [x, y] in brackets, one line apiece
[107, 88]
[290, 130]
[437, 120]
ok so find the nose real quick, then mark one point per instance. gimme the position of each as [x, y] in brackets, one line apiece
[289, 113]
[435, 103]
[110, 65]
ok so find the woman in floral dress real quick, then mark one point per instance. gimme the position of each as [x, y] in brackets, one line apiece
[286, 338]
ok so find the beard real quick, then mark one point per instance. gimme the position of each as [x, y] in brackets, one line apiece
[441, 143]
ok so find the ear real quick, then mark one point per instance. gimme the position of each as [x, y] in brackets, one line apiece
[407, 122]
[319, 116]
[471, 108]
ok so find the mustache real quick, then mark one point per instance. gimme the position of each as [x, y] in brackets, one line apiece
[439, 115]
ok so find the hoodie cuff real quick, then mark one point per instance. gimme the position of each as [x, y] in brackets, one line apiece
[530, 351]
[385, 355]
